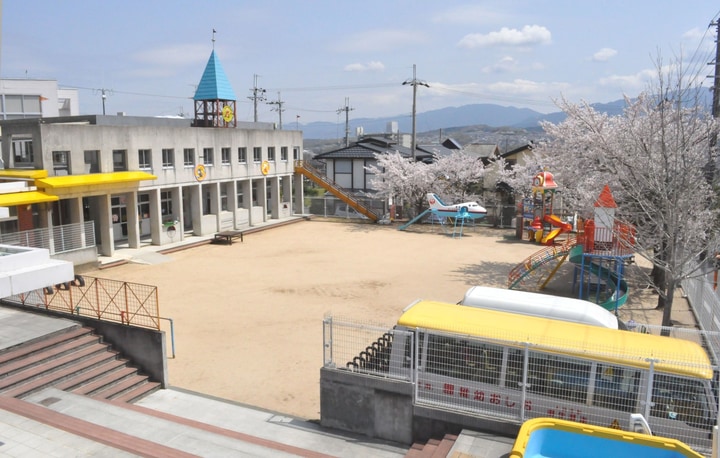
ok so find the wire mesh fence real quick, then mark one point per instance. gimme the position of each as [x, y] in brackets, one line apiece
[100, 298]
[515, 381]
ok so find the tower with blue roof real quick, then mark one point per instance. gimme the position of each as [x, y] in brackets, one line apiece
[215, 100]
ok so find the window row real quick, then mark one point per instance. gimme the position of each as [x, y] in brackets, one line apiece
[23, 156]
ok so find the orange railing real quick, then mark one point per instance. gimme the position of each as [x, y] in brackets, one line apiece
[304, 168]
[100, 298]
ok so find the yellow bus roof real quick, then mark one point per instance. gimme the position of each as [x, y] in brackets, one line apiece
[671, 355]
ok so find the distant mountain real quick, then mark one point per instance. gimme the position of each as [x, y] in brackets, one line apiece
[493, 116]
[487, 114]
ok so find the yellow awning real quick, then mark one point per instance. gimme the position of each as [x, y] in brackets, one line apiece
[23, 174]
[13, 199]
[93, 179]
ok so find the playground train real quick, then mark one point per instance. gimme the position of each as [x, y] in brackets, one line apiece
[492, 355]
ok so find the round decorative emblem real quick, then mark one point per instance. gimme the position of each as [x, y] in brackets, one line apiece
[200, 173]
[265, 167]
[227, 113]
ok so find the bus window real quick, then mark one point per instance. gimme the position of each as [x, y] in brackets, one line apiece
[616, 387]
[442, 355]
[680, 399]
[463, 359]
[564, 378]
[482, 362]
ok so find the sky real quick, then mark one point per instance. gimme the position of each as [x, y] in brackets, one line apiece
[315, 58]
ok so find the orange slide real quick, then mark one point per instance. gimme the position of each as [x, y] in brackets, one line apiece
[560, 227]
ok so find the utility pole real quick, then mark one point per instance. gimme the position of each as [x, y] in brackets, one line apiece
[258, 95]
[715, 103]
[347, 111]
[279, 109]
[414, 82]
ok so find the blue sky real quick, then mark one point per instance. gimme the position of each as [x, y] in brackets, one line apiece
[150, 54]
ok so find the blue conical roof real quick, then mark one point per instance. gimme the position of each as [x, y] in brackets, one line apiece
[214, 84]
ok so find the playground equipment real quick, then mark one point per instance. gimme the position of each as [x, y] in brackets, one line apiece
[456, 214]
[545, 226]
[600, 252]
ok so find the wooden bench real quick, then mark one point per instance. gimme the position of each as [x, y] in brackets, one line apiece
[228, 237]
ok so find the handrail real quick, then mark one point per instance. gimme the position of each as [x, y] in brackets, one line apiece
[304, 168]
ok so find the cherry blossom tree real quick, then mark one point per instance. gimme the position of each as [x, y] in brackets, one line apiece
[654, 157]
[455, 177]
[401, 179]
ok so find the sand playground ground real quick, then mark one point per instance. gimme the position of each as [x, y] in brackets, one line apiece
[248, 316]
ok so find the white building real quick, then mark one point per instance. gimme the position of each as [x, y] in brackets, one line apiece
[154, 179]
[26, 98]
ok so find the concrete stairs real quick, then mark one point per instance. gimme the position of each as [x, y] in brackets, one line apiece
[74, 360]
[433, 448]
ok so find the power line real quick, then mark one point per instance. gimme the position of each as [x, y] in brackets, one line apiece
[414, 82]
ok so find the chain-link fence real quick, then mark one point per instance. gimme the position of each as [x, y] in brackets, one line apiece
[516, 381]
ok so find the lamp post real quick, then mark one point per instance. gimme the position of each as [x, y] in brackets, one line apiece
[414, 82]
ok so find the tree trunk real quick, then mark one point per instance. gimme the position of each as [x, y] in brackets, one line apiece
[667, 309]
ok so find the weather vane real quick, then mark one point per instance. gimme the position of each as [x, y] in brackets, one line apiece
[213, 38]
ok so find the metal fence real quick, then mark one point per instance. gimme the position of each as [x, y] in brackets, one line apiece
[100, 298]
[704, 298]
[516, 382]
[57, 239]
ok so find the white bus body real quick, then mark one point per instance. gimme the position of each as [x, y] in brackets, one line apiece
[541, 305]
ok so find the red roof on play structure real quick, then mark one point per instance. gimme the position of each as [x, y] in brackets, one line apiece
[606, 199]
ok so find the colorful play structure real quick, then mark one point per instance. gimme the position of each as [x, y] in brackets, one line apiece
[600, 249]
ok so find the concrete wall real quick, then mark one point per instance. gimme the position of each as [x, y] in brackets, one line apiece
[383, 409]
[372, 406]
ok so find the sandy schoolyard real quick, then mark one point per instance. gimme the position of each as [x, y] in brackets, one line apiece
[248, 316]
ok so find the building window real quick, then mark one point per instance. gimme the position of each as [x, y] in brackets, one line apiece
[207, 201]
[144, 206]
[119, 160]
[22, 152]
[257, 154]
[22, 106]
[168, 158]
[166, 205]
[189, 157]
[225, 156]
[61, 162]
[296, 153]
[239, 191]
[271, 153]
[208, 156]
[145, 159]
[283, 153]
[223, 197]
[92, 161]
[242, 155]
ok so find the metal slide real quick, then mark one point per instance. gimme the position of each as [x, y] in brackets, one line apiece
[619, 287]
[305, 169]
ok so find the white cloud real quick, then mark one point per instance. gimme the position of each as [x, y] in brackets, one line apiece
[529, 35]
[630, 83]
[604, 55]
[527, 87]
[374, 66]
[504, 65]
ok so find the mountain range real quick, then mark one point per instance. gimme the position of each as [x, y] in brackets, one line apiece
[485, 114]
